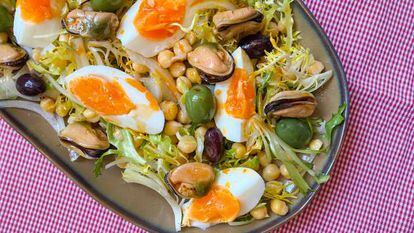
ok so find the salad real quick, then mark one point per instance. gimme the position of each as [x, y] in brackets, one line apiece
[210, 103]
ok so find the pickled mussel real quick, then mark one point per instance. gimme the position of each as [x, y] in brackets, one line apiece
[256, 45]
[12, 57]
[213, 61]
[191, 180]
[213, 144]
[30, 85]
[296, 104]
[238, 23]
[89, 141]
[91, 24]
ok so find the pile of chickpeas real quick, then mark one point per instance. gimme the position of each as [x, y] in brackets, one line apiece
[64, 108]
[185, 78]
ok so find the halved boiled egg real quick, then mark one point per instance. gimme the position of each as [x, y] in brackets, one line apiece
[37, 22]
[235, 192]
[116, 97]
[148, 26]
[236, 99]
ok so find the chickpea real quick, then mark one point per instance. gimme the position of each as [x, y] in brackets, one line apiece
[165, 58]
[200, 131]
[140, 68]
[316, 68]
[177, 69]
[171, 128]
[259, 213]
[264, 160]
[62, 109]
[91, 116]
[284, 171]
[48, 104]
[191, 37]
[271, 172]
[170, 110]
[315, 144]
[3, 37]
[187, 144]
[193, 75]
[183, 84]
[181, 48]
[240, 150]
[279, 207]
[183, 117]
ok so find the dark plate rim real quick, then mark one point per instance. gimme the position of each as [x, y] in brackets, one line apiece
[136, 220]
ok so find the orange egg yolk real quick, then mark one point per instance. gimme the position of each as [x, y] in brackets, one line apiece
[240, 95]
[153, 103]
[154, 18]
[219, 205]
[100, 95]
[37, 11]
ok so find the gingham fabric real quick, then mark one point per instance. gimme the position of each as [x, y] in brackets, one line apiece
[372, 184]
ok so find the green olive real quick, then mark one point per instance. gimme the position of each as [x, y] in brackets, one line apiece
[295, 132]
[106, 5]
[5, 19]
[200, 104]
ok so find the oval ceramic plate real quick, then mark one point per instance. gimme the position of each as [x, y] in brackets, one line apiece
[143, 206]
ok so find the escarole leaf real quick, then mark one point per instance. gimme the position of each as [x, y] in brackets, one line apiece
[122, 140]
[135, 173]
[282, 152]
[99, 162]
[336, 120]
[162, 147]
[252, 163]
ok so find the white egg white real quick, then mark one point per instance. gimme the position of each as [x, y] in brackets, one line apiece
[35, 35]
[131, 38]
[234, 129]
[142, 118]
[244, 183]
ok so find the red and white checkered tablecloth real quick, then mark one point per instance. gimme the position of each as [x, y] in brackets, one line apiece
[372, 184]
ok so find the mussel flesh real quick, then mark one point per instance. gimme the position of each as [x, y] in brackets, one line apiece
[87, 140]
[238, 23]
[91, 24]
[213, 61]
[191, 180]
[295, 104]
[12, 57]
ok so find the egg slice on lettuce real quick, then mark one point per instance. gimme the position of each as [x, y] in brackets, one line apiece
[116, 97]
[149, 26]
[236, 99]
[37, 23]
[235, 192]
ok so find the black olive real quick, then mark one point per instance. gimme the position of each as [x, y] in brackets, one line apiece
[256, 45]
[30, 85]
[213, 145]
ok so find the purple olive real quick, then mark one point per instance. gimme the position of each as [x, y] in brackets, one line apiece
[213, 145]
[30, 85]
[256, 45]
